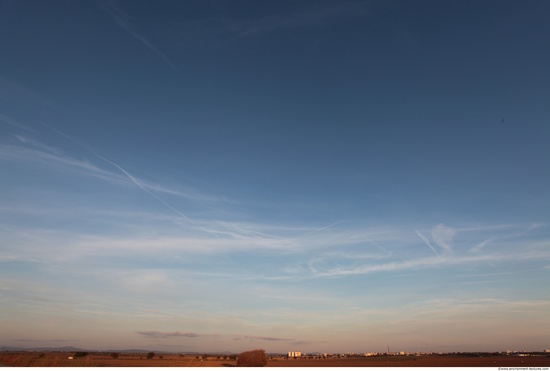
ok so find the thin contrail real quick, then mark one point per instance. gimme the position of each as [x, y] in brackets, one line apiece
[132, 178]
[12, 122]
[111, 10]
[427, 242]
[321, 229]
[377, 245]
[141, 186]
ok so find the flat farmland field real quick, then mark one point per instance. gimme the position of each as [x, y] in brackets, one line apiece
[417, 361]
[54, 359]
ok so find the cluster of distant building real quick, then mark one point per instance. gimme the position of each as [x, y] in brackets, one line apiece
[298, 354]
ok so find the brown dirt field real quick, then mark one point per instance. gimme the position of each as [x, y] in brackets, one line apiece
[418, 361]
[33, 359]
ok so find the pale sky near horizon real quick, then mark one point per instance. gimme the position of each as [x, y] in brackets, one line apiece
[331, 176]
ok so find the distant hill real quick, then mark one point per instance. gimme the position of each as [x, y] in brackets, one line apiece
[74, 349]
[47, 349]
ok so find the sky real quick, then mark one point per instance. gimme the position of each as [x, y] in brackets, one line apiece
[315, 176]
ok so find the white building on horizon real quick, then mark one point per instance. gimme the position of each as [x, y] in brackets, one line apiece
[294, 354]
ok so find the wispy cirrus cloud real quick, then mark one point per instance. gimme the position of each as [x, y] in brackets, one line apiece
[28, 154]
[500, 238]
[123, 20]
[319, 15]
[459, 306]
[329, 252]
[132, 178]
[432, 262]
[28, 141]
[220, 31]
[354, 244]
[32, 151]
[12, 122]
[442, 236]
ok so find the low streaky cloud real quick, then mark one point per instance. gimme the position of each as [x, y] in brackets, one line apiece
[45, 340]
[427, 242]
[303, 342]
[442, 236]
[165, 335]
[264, 338]
[122, 20]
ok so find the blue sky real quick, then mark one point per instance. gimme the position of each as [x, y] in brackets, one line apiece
[326, 176]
